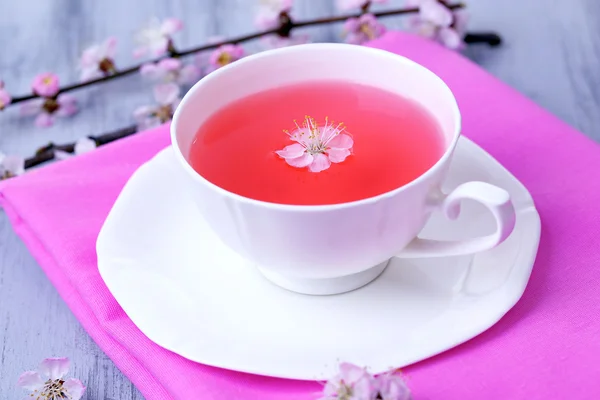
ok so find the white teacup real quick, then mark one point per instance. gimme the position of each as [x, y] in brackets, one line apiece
[334, 248]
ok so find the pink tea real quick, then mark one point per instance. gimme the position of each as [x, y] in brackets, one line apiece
[315, 143]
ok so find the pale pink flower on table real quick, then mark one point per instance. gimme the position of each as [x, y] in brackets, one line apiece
[270, 11]
[391, 386]
[5, 97]
[167, 98]
[11, 166]
[98, 60]
[47, 109]
[362, 29]
[345, 5]
[45, 84]
[49, 383]
[82, 145]
[316, 147]
[224, 55]
[155, 38]
[171, 70]
[352, 383]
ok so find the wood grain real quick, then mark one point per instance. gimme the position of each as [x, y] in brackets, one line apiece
[551, 54]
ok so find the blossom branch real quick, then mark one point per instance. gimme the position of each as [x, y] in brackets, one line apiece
[286, 26]
[49, 152]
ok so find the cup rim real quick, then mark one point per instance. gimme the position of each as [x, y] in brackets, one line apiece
[230, 68]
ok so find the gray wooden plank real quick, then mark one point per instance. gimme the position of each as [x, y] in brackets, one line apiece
[549, 54]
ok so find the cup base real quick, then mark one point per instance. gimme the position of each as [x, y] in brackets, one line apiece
[329, 286]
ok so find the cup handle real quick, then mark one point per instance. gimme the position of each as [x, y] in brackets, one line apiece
[495, 199]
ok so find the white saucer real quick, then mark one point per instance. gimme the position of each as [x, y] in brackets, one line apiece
[190, 294]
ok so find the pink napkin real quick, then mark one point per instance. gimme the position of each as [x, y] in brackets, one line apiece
[546, 347]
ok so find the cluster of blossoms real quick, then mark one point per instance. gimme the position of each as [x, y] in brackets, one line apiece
[171, 74]
[355, 383]
[351, 383]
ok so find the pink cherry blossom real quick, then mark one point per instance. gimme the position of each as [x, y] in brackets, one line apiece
[391, 386]
[224, 55]
[82, 145]
[269, 12]
[155, 38]
[46, 84]
[98, 60]
[345, 5]
[167, 98]
[11, 166]
[352, 383]
[317, 146]
[5, 98]
[362, 29]
[171, 70]
[48, 381]
[46, 110]
[438, 22]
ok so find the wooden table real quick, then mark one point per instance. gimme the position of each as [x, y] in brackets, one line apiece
[551, 54]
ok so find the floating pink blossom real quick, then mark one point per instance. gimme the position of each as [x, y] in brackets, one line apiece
[167, 98]
[11, 166]
[362, 29]
[317, 146]
[155, 38]
[46, 84]
[224, 55]
[48, 381]
[5, 98]
[270, 11]
[352, 383]
[171, 70]
[98, 60]
[345, 5]
[438, 22]
[47, 109]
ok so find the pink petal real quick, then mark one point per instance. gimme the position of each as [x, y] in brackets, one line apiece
[392, 386]
[62, 155]
[320, 163]
[31, 380]
[365, 389]
[140, 51]
[30, 108]
[338, 155]
[5, 98]
[142, 112]
[54, 368]
[110, 47]
[88, 74]
[151, 71]
[352, 25]
[44, 120]
[345, 5]
[160, 47]
[46, 84]
[84, 145]
[341, 141]
[166, 93]
[436, 13]
[292, 151]
[170, 64]
[266, 18]
[300, 162]
[68, 105]
[91, 56]
[351, 373]
[189, 74]
[171, 25]
[450, 38]
[75, 388]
